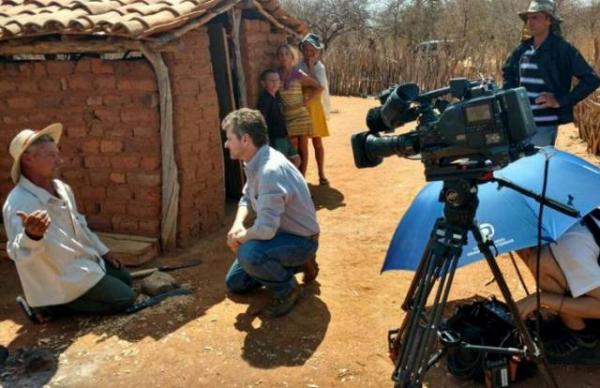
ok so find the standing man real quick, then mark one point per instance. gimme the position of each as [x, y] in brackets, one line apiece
[63, 266]
[283, 239]
[545, 65]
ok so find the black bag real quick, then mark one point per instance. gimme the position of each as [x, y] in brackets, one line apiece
[487, 323]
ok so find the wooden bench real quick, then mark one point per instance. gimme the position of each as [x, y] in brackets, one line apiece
[133, 251]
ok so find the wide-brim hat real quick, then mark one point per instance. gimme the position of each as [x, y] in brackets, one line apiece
[546, 6]
[24, 139]
[312, 39]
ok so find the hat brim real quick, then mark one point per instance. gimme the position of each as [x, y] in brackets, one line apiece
[53, 130]
[523, 15]
[318, 47]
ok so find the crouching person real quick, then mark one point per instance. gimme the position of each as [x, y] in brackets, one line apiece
[570, 288]
[283, 239]
[62, 265]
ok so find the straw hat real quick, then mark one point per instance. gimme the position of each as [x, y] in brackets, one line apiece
[24, 139]
[546, 6]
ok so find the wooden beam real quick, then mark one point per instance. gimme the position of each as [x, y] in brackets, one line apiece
[235, 16]
[193, 24]
[221, 63]
[68, 46]
[272, 19]
[77, 45]
[169, 172]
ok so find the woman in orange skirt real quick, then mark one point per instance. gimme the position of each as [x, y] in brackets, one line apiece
[317, 105]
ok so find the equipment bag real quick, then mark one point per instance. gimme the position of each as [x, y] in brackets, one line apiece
[485, 323]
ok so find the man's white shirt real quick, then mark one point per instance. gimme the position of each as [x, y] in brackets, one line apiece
[67, 261]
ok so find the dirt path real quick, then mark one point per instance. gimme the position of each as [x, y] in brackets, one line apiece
[335, 337]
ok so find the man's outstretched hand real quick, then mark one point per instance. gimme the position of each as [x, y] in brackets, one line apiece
[35, 223]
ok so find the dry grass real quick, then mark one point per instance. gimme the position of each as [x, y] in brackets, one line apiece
[587, 120]
[368, 67]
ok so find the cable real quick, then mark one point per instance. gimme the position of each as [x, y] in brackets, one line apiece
[538, 314]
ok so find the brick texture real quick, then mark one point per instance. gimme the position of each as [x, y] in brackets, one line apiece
[199, 152]
[258, 45]
[103, 105]
[111, 144]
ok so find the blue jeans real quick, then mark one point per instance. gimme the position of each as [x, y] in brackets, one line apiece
[545, 136]
[270, 263]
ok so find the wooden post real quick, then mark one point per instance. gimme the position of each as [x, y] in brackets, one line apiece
[235, 17]
[169, 173]
[597, 52]
[219, 53]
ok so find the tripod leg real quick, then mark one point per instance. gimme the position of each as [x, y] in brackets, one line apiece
[439, 264]
[412, 289]
[532, 347]
[512, 259]
[445, 278]
[415, 312]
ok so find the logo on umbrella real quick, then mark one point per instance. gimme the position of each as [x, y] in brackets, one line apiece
[487, 231]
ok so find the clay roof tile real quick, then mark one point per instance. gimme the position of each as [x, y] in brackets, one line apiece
[132, 18]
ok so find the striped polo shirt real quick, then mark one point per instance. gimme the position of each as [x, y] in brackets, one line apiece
[531, 79]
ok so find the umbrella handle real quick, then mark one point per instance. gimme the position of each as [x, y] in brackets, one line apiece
[551, 203]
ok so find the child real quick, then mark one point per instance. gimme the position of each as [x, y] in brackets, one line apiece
[269, 105]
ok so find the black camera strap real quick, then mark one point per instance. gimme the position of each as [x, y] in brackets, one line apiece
[589, 221]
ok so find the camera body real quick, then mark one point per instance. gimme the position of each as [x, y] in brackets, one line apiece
[483, 131]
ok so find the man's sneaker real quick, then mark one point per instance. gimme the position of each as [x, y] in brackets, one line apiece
[310, 269]
[281, 306]
[573, 348]
[586, 338]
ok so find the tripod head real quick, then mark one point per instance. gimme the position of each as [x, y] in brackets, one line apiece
[461, 200]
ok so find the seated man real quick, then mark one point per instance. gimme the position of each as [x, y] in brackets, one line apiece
[63, 266]
[570, 287]
[284, 236]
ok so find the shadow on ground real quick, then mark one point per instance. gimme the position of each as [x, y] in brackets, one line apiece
[326, 197]
[287, 341]
[54, 337]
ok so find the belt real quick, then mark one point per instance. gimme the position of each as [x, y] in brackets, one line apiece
[314, 237]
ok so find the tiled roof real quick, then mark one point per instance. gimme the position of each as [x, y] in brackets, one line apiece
[126, 18]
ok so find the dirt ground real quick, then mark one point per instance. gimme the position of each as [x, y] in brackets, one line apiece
[335, 337]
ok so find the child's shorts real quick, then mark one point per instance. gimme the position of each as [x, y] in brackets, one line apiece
[283, 145]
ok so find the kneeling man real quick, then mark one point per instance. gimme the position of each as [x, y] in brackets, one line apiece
[283, 239]
[63, 266]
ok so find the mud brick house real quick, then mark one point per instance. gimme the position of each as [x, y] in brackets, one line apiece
[140, 86]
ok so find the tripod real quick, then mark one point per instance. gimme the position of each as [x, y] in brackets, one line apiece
[438, 265]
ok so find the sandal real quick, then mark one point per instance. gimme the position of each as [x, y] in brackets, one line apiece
[323, 182]
[33, 314]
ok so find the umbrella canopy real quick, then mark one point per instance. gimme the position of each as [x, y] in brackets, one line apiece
[509, 217]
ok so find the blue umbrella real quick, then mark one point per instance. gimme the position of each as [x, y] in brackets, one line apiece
[509, 217]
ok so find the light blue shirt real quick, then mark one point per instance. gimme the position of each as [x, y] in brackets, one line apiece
[277, 192]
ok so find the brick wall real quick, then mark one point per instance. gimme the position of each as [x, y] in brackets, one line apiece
[111, 144]
[198, 145]
[258, 45]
